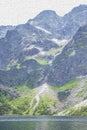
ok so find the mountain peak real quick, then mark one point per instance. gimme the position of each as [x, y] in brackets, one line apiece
[47, 19]
[82, 5]
[46, 14]
[79, 8]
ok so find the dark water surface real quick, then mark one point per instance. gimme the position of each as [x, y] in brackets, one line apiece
[43, 123]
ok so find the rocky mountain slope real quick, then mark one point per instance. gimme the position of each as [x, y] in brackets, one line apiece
[43, 64]
[61, 27]
[4, 29]
[71, 63]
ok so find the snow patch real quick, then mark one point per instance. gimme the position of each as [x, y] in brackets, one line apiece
[40, 49]
[42, 29]
[31, 47]
[55, 41]
[42, 53]
[59, 42]
[81, 77]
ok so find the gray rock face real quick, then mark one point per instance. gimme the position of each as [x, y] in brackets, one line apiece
[16, 43]
[14, 48]
[72, 62]
[30, 73]
[62, 27]
[48, 20]
[4, 29]
[74, 19]
[9, 48]
[20, 49]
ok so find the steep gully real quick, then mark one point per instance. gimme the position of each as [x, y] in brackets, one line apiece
[40, 90]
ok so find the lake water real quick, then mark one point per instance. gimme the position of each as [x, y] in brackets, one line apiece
[43, 123]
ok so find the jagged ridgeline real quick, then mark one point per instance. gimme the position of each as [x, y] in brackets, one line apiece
[43, 65]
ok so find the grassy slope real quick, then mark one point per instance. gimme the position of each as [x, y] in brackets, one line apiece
[76, 110]
[22, 105]
[67, 86]
[41, 60]
[47, 105]
[80, 108]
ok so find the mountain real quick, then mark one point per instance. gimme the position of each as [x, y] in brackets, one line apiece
[73, 20]
[21, 51]
[49, 21]
[61, 27]
[43, 64]
[4, 29]
[71, 63]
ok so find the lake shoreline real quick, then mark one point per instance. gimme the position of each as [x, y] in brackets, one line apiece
[42, 118]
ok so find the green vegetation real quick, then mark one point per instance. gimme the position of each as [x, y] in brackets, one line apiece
[72, 53]
[4, 103]
[70, 85]
[8, 68]
[17, 106]
[41, 60]
[53, 51]
[80, 94]
[24, 89]
[24, 105]
[28, 58]
[81, 111]
[55, 88]
[84, 33]
[46, 106]
[16, 64]
[21, 104]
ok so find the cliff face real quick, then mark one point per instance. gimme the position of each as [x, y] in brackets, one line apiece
[72, 62]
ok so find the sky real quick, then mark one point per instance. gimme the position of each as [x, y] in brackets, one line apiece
[13, 12]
